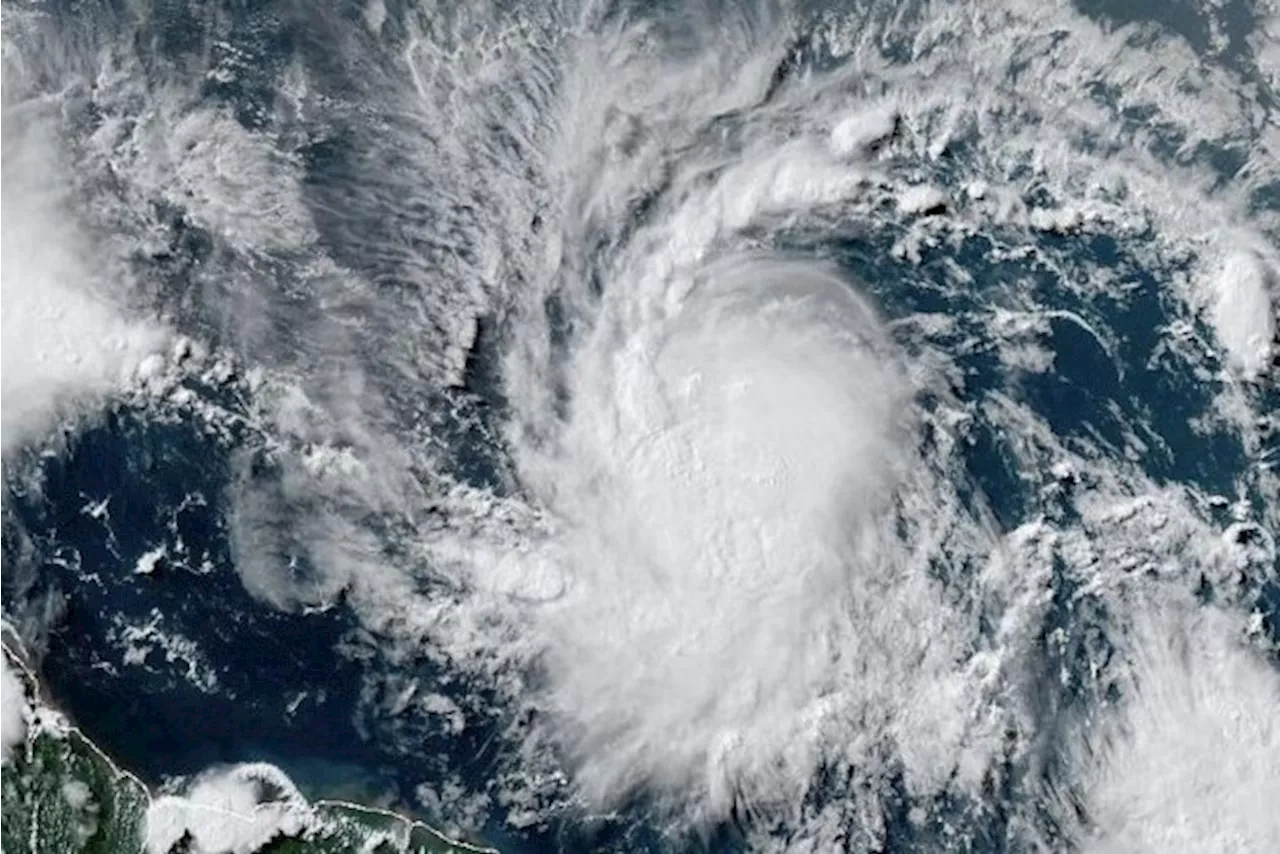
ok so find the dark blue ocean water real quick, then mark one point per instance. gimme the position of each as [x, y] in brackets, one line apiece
[288, 685]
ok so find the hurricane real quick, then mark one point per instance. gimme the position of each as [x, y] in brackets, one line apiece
[657, 426]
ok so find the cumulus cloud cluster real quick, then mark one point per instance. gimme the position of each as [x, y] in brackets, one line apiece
[1190, 758]
[65, 339]
[234, 810]
[13, 709]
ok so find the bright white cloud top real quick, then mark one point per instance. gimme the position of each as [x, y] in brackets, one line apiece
[232, 810]
[13, 709]
[721, 488]
[1244, 311]
[65, 341]
[739, 584]
[1190, 760]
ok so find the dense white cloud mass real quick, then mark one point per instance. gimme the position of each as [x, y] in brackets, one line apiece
[1244, 312]
[722, 486]
[739, 585]
[1189, 760]
[13, 709]
[233, 810]
[64, 341]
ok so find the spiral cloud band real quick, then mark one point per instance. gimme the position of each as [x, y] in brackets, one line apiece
[723, 481]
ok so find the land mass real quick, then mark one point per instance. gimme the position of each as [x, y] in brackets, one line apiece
[63, 794]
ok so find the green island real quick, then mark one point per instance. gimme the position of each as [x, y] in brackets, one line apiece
[62, 795]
